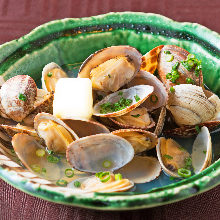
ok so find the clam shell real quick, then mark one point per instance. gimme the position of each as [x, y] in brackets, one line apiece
[150, 60]
[88, 153]
[57, 73]
[141, 169]
[160, 122]
[202, 143]
[165, 67]
[14, 107]
[145, 78]
[143, 91]
[107, 53]
[138, 144]
[144, 121]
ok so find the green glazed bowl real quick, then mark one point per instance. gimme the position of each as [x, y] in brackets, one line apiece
[71, 41]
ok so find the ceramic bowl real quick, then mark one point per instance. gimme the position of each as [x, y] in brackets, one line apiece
[68, 42]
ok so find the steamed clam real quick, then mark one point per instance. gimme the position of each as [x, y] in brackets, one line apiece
[111, 68]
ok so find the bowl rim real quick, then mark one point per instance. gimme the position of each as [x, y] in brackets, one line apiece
[187, 188]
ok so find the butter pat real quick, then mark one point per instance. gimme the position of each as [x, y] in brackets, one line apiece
[73, 98]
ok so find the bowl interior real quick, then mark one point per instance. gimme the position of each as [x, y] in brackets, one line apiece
[70, 42]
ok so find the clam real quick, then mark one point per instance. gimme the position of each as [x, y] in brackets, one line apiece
[141, 169]
[56, 134]
[94, 184]
[48, 166]
[101, 152]
[171, 58]
[111, 68]
[141, 140]
[159, 96]
[50, 75]
[122, 101]
[150, 60]
[137, 118]
[173, 157]
[191, 106]
[18, 95]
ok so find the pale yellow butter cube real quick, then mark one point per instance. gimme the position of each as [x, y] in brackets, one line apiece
[73, 98]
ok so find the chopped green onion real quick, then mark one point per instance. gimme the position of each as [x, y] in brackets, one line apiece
[172, 89]
[197, 128]
[35, 168]
[40, 152]
[204, 151]
[136, 116]
[175, 66]
[184, 172]
[153, 98]
[49, 74]
[22, 97]
[69, 173]
[167, 52]
[43, 170]
[182, 149]
[137, 98]
[61, 182]
[77, 184]
[190, 81]
[118, 176]
[120, 93]
[101, 176]
[50, 151]
[13, 151]
[191, 63]
[52, 159]
[107, 164]
[168, 156]
[172, 178]
[98, 174]
[169, 58]
[190, 56]
[188, 163]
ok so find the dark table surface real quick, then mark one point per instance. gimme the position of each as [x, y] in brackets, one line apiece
[18, 17]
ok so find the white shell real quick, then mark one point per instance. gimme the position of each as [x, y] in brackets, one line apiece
[88, 153]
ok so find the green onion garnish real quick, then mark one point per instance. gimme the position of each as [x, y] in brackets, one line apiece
[103, 176]
[136, 116]
[137, 98]
[188, 163]
[184, 172]
[190, 81]
[107, 164]
[35, 168]
[168, 156]
[197, 128]
[153, 98]
[49, 74]
[204, 151]
[40, 152]
[13, 151]
[172, 178]
[118, 176]
[61, 182]
[52, 159]
[22, 97]
[172, 89]
[50, 151]
[167, 52]
[77, 184]
[120, 93]
[190, 56]
[43, 170]
[169, 58]
[69, 173]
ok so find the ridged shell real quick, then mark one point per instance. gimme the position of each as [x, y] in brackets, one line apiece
[165, 67]
[143, 91]
[89, 153]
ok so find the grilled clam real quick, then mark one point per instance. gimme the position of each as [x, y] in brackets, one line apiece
[174, 157]
[141, 140]
[111, 68]
[174, 59]
[50, 75]
[95, 184]
[101, 152]
[122, 101]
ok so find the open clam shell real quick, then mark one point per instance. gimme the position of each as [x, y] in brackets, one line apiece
[50, 75]
[150, 59]
[26, 147]
[164, 67]
[93, 184]
[141, 169]
[141, 140]
[138, 118]
[140, 91]
[159, 96]
[90, 153]
[202, 150]
[111, 68]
